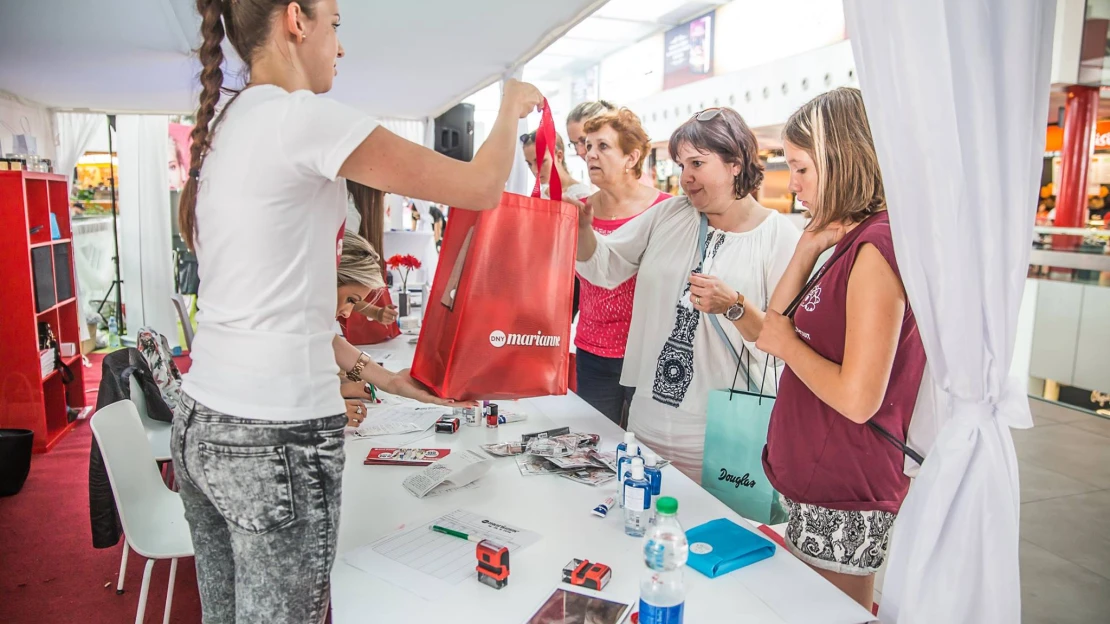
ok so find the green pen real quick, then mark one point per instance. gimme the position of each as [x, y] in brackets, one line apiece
[453, 533]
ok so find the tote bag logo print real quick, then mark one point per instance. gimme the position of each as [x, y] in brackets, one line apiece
[499, 339]
[736, 481]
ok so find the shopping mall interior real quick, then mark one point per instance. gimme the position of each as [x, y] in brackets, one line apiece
[98, 106]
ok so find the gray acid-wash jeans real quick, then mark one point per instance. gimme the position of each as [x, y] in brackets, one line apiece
[262, 501]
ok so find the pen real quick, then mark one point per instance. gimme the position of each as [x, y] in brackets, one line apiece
[453, 533]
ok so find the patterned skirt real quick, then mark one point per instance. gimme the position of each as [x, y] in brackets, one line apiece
[847, 542]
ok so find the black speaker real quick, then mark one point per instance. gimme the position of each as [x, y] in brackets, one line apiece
[455, 132]
[42, 270]
[63, 271]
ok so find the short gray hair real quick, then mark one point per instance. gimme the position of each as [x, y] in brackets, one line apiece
[588, 110]
[359, 264]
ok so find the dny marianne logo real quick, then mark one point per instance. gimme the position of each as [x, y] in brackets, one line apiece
[499, 339]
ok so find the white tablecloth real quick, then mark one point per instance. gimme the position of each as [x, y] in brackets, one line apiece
[780, 589]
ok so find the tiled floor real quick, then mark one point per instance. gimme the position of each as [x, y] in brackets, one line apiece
[1065, 516]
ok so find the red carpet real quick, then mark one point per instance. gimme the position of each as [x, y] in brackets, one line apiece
[49, 571]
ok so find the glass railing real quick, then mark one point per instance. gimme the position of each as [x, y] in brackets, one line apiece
[1080, 255]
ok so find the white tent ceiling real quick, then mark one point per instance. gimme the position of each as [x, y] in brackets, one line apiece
[407, 59]
[618, 24]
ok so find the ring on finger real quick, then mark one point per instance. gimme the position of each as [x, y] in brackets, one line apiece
[697, 299]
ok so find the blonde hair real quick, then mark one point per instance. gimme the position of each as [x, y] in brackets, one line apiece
[359, 264]
[832, 128]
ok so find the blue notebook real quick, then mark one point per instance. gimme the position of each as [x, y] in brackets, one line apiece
[721, 546]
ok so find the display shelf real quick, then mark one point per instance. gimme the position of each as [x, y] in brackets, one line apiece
[56, 306]
[49, 242]
[29, 400]
[53, 436]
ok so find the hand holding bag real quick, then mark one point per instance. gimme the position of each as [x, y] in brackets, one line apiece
[497, 320]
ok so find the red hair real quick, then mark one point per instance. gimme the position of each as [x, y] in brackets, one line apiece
[630, 134]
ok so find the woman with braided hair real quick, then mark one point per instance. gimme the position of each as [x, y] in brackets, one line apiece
[258, 436]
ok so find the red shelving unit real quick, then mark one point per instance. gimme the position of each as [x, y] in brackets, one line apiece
[27, 399]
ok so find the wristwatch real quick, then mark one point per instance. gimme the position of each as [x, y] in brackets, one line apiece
[736, 311]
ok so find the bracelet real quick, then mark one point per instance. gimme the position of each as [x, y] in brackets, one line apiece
[355, 374]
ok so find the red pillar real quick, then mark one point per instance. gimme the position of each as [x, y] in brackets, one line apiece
[1080, 120]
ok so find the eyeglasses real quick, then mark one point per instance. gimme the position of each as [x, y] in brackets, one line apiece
[707, 114]
[580, 142]
[528, 138]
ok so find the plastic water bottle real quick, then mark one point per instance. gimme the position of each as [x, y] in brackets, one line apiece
[623, 460]
[663, 586]
[113, 332]
[637, 500]
[652, 472]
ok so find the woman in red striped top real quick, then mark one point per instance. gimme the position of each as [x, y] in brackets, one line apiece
[616, 148]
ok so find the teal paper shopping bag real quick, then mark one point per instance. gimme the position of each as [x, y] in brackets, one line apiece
[735, 434]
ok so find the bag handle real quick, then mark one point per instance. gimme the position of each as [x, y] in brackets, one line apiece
[545, 142]
[703, 231]
[842, 248]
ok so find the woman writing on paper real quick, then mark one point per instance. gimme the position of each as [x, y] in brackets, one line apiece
[359, 274]
[257, 438]
[674, 356]
[853, 353]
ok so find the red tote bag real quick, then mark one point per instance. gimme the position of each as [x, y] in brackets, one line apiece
[359, 330]
[497, 323]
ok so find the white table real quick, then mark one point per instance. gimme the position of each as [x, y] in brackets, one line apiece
[779, 589]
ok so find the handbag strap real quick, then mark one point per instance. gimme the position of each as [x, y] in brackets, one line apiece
[703, 231]
[842, 248]
[545, 142]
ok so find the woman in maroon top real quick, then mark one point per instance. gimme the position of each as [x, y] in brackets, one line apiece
[853, 354]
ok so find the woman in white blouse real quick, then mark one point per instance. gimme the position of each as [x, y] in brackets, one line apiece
[674, 357]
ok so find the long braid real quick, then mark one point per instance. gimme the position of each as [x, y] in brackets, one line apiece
[211, 79]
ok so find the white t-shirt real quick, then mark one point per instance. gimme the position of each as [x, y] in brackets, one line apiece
[661, 247]
[270, 214]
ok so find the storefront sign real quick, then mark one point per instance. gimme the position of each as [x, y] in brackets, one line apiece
[1054, 139]
[688, 52]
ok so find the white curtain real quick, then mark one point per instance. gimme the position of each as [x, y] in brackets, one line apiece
[74, 132]
[410, 129]
[146, 252]
[957, 96]
[429, 133]
[521, 180]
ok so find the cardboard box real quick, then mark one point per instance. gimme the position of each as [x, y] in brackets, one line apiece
[88, 346]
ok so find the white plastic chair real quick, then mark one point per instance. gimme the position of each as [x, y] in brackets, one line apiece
[183, 314]
[152, 515]
[157, 432]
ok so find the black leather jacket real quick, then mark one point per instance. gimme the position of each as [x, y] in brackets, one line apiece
[115, 385]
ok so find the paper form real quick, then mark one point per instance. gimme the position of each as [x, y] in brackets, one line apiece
[398, 419]
[431, 564]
